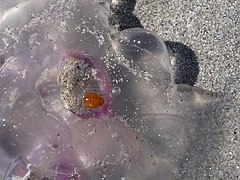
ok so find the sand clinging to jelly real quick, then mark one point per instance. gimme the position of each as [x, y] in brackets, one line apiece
[83, 86]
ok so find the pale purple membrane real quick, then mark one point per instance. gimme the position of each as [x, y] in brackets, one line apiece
[142, 133]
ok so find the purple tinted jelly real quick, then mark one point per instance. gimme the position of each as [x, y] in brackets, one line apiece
[58, 54]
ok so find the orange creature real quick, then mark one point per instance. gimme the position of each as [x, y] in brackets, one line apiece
[92, 100]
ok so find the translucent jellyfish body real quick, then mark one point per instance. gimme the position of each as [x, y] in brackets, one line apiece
[68, 113]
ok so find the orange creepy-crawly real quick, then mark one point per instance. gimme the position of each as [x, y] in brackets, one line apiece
[92, 100]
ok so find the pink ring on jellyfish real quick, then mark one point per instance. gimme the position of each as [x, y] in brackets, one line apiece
[83, 84]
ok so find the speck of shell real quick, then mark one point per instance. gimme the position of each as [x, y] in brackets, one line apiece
[75, 78]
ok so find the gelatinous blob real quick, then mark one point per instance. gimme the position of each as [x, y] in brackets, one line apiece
[147, 52]
[60, 116]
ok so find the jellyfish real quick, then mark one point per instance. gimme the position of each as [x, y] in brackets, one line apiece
[82, 101]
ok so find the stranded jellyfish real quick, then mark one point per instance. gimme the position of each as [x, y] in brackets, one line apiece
[70, 112]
